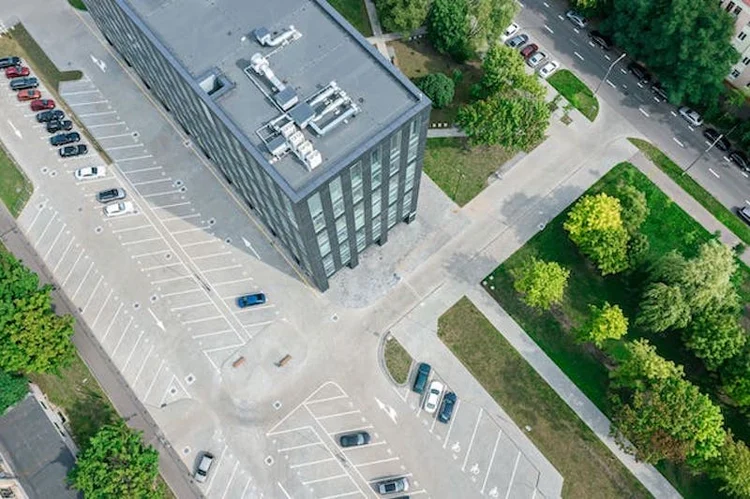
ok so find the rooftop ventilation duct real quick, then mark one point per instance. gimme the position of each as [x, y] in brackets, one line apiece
[268, 39]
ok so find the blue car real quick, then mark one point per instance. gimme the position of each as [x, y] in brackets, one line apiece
[420, 381]
[251, 300]
[446, 410]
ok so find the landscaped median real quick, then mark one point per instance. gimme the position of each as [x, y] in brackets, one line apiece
[397, 360]
[15, 188]
[722, 213]
[588, 468]
[576, 92]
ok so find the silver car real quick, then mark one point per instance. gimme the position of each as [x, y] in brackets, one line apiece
[691, 116]
[576, 18]
[201, 472]
[517, 41]
[536, 59]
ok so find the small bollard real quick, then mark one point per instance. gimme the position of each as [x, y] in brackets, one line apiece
[284, 360]
[238, 362]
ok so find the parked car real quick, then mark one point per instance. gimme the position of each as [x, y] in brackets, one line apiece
[529, 50]
[17, 72]
[420, 380]
[721, 142]
[7, 62]
[548, 69]
[393, 485]
[740, 159]
[659, 91]
[117, 209]
[639, 72]
[62, 139]
[23, 83]
[71, 151]
[89, 172]
[691, 116]
[354, 439]
[50, 115]
[576, 18]
[509, 31]
[517, 41]
[58, 125]
[251, 300]
[433, 397]
[204, 465]
[108, 195]
[446, 409]
[42, 104]
[536, 59]
[601, 39]
[30, 94]
[744, 213]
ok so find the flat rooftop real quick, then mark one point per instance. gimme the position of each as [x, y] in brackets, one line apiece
[207, 34]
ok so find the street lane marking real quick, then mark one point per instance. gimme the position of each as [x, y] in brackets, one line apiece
[714, 173]
[337, 415]
[549, 29]
[215, 333]
[644, 113]
[673, 113]
[611, 84]
[678, 142]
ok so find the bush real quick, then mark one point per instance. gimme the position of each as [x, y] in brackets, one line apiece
[439, 88]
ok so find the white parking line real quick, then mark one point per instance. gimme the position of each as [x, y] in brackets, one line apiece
[46, 227]
[65, 281]
[132, 351]
[714, 173]
[560, 17]
[135, 158]
[673, 113]
[228, 267]
[691, 128]
[124, 332]
[546, 4]
[492, 460]
[102, 113]
[549, 29]
[165, 179]
[140, 370]
[141, 255]
[205, 319]
[76, 104]
[328, 399]
[337, 415]
[350, 430]
[65, 253]
[249, 479]
[302, 446]
[251, 309]
[128, 146]
[591, 43]
[165, 206]
[312, 463]
[93, 293]
[153, 381]
[357, 447]
[450, 427]
[79, 93]
[471, 442]
[678, 142]
[128, 172]
[127, 229]
[644, 113]
[607, 57]
[170, 279]
[165, 295]
[212, 255]
[184, 231]
[611, 84]
[206, 335]
[744, 174]
[576, 30]
[578, 55]
[231, 282]
[334, 477]
[345, 494]
[387, 460]
[142, 241]
[101, 309]
[282, 489]
[257, 324]
[186, 307]
[231, 477]
[85, 276]
[155, 267]
[115, 136]
[513, 475]
[115, 123]
[54, 242]
[165, 193]
[111, 322]
[623, 71]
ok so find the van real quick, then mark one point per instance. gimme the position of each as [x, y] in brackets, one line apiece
[23, 83]
[420, 381]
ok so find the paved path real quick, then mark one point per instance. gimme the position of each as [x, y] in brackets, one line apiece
[433, 133]
[377, 30]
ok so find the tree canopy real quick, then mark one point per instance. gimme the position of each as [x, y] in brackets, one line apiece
[438, 87]
[116, 464]
[504, 72]
[642, 365]
[735, 378]
[402, 16]
[605, 323]
[733, 468]
[488, 19]
[634, 206]
[541, 284]
[715, 335]
[448, 28]
[13, 388]
[663, 307]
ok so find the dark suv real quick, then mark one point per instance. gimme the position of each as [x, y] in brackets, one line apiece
[722, 144]
[420, 381]
[7, 62]
[64, 139]
[639, 72]
[23, 83]
[70, 151]
[601, 39]
[59, 125]
[51, 115]
[114, 194]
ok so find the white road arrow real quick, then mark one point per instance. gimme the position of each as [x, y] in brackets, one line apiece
[101, 64]
[159, 323]
[15, 130]
[390, 411]
[250, 247]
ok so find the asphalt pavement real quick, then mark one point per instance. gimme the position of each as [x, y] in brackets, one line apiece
[658, 121]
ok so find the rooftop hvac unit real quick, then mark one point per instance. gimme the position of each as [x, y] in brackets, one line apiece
[265, 38]
[296, 139]
[288, 129]
[305, 148]
[313, 160]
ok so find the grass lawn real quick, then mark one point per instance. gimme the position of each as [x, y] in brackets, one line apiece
[576, 92]
[353, 10]
[667, 227]
[587, 466]
[15, 188]
[461, 172]
[723, 214]
[417, 59]
[78, 4]
[397, 360]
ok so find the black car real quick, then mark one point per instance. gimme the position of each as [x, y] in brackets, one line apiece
[739, 159]
[51, 115]
[601, 39]
[423, 374]
[7, 62]
[639, 72]
[446, 409]
[62, 139]
[70, 151]
[23, 83]
[58, 126]
[110, 195]
[659, 91]
[744, 213]
[354, 439]
[720, 141]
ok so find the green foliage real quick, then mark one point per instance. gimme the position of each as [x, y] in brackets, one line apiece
[32, 336]
[448, 28]
[634, 206]
[592, 7]
[735, 378]
[116, 464]
[13, 388]
[715, 335]
[595, 226]
[663, 307]
[402, 16]
[503, 71]
[438, 87]
[707, 278]
[733, 468]
[684, 42]
[541, 283]
[642, 366]
[638, 247]
[669, 419]
[605, 323]
[488, 20]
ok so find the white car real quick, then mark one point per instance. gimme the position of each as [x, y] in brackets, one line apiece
[91, 172]
[548, 69]
[201, 472]
[510, 31]
[432, 400]
[117, 209]
[536, 59]
[576, 18]
[691, 116]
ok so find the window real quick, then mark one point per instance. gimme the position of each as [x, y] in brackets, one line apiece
[742, 35]
[729, 6]
[392, 189]
[737, 11]
[392, 213]
[413, 139]
[395, 151]
[735, 73]
[328, 265]
[361, 239]
[337, 197]
[345, 254]
[746, 60]
[376, 173]
[375, 206]
[341, 232]
[406, 206]
[323, 243]
[376, 228]
[409, 179]
[355, 173]
[359, 216]
[316, 212]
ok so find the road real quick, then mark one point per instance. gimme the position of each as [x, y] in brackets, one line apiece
[545, 23]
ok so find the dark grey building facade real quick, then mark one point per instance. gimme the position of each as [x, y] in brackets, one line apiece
[316, 131]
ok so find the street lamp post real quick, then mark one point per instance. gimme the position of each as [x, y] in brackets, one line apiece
[711, 146]
[608, 71]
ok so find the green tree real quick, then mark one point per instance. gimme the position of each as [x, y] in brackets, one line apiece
[448, 28]
[733, 468]
[504, 72]
[638, 247]
[438, 87]
[663, 307]
[707, 278]
[402, 16]
[592, 7]
[634, 206]
[669, 419]
[515, 123]
[687, 44]
[605, 323]
[735, 378]
[715, 335]
[488, 19]
[116, 464]
[13, 388]
[641, 366]
[541, 284]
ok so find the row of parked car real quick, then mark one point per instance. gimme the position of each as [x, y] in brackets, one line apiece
[436, 396]
[535, 58]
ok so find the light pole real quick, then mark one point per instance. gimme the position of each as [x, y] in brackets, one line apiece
[608, 71]
[711, 146]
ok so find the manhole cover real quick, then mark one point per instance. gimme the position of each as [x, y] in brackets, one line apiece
[335, 318]
[186, 450]
[98, 230]
[53, 173]
[45, 170]
[153, 298]
[189, 379]
[168, 256]
[173, 390]
[183, 189]
[269, 460]
[277, 405]
[136, 305]
[40, 205]
[541, 226]
[186, 143]
[228, 240]
[211, 221]
[135, 135]
[178, 183]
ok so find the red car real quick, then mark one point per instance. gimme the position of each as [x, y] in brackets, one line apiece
[29, 94]
[529, 50]
[17, 72]
[42, 104]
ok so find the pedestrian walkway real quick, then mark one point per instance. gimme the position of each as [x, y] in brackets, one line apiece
[377, 29]
[434, 133]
